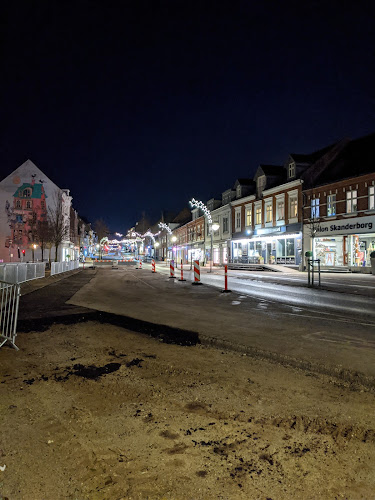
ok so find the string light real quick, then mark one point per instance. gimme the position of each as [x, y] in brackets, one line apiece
[199, 204]
[165, 226]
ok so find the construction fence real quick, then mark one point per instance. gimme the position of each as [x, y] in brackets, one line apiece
[10, 296]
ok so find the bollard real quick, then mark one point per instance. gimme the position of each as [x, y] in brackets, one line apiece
[171, 270]
[197, 273]
[182, 272]
[153, 266]
[226, 280]
[140, 264]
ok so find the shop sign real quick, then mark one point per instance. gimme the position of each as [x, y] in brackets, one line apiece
[285, 260]
[270, 230]
[356, 225]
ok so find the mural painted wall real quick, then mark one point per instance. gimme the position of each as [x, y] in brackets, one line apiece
[26, 195]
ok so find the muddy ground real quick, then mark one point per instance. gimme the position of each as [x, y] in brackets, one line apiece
[93, 411]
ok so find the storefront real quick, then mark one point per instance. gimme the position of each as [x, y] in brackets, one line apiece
[280, 245]
[347, 242]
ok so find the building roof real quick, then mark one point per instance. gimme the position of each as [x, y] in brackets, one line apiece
[272, 169]
[356, 158]
[311, 157]
[36, 190]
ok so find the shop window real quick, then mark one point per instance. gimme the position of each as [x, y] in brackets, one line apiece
[248, 217]
[293, 208]
[331, 205]
[290, 247]
[258, 216]
[280, 249]
[315, 211]
[351, 201]
[280, 210]
[269, 213]
[371, 198]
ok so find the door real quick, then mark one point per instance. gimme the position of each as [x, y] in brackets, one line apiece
[269, 253]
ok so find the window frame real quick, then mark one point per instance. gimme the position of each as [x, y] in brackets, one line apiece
[349, 201]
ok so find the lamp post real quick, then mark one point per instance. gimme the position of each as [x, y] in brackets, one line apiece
[214, 227]
[34, 248]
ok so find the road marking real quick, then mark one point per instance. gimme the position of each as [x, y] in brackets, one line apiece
[348, 320]
[144, 282]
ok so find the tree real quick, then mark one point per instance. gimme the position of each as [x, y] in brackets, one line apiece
[101, 229]
[44, 234]
[59, 229]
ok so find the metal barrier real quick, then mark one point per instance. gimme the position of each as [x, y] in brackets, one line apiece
[63, 267]
[10, 296]
[310, 271]
[21, 271]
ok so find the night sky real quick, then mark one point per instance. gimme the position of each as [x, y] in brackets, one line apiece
[140, 106]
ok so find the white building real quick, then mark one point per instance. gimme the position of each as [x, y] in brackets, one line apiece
[27, 197]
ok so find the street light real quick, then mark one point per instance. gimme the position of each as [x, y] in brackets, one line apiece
[214, 227]
[34, 248]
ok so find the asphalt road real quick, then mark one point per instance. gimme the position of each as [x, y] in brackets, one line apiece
[340, 342]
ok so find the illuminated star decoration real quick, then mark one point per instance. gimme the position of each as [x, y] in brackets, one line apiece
[199, 204]
[164, 226]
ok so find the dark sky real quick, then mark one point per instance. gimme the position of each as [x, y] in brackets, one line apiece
[140, 106]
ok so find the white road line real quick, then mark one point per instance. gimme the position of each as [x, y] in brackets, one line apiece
[144, 282]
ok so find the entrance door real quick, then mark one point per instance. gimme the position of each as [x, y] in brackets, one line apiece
[269, 253]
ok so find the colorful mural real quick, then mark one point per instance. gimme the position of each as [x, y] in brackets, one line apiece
[26, 214]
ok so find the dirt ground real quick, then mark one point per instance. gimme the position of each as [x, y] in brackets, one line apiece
[93, 411]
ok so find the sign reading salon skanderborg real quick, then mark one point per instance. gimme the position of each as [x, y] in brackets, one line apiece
[356, 225]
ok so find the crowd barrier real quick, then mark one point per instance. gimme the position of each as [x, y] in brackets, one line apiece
[10, 296]
[63, 267]
[21, 271]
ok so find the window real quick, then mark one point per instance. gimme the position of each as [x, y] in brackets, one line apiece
[238, 220]
[269, 212]
[261, 183]
[248, 217]
[293, 208]
[371, 198]
[280, 210]
[43, 204]
[26, 193]
[258, 216]
[292, 169]
[351, 201]
[225, 224]
[315, 212]
[28, 204]
[331, 205]
[238, 191]
[18, 204]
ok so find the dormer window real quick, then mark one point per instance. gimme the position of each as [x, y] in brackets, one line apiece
[238, 191]
[291, 170]
[261, 183]
[26, 193]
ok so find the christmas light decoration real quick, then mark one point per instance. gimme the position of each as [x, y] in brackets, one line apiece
[199, 204]
[165, 226]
